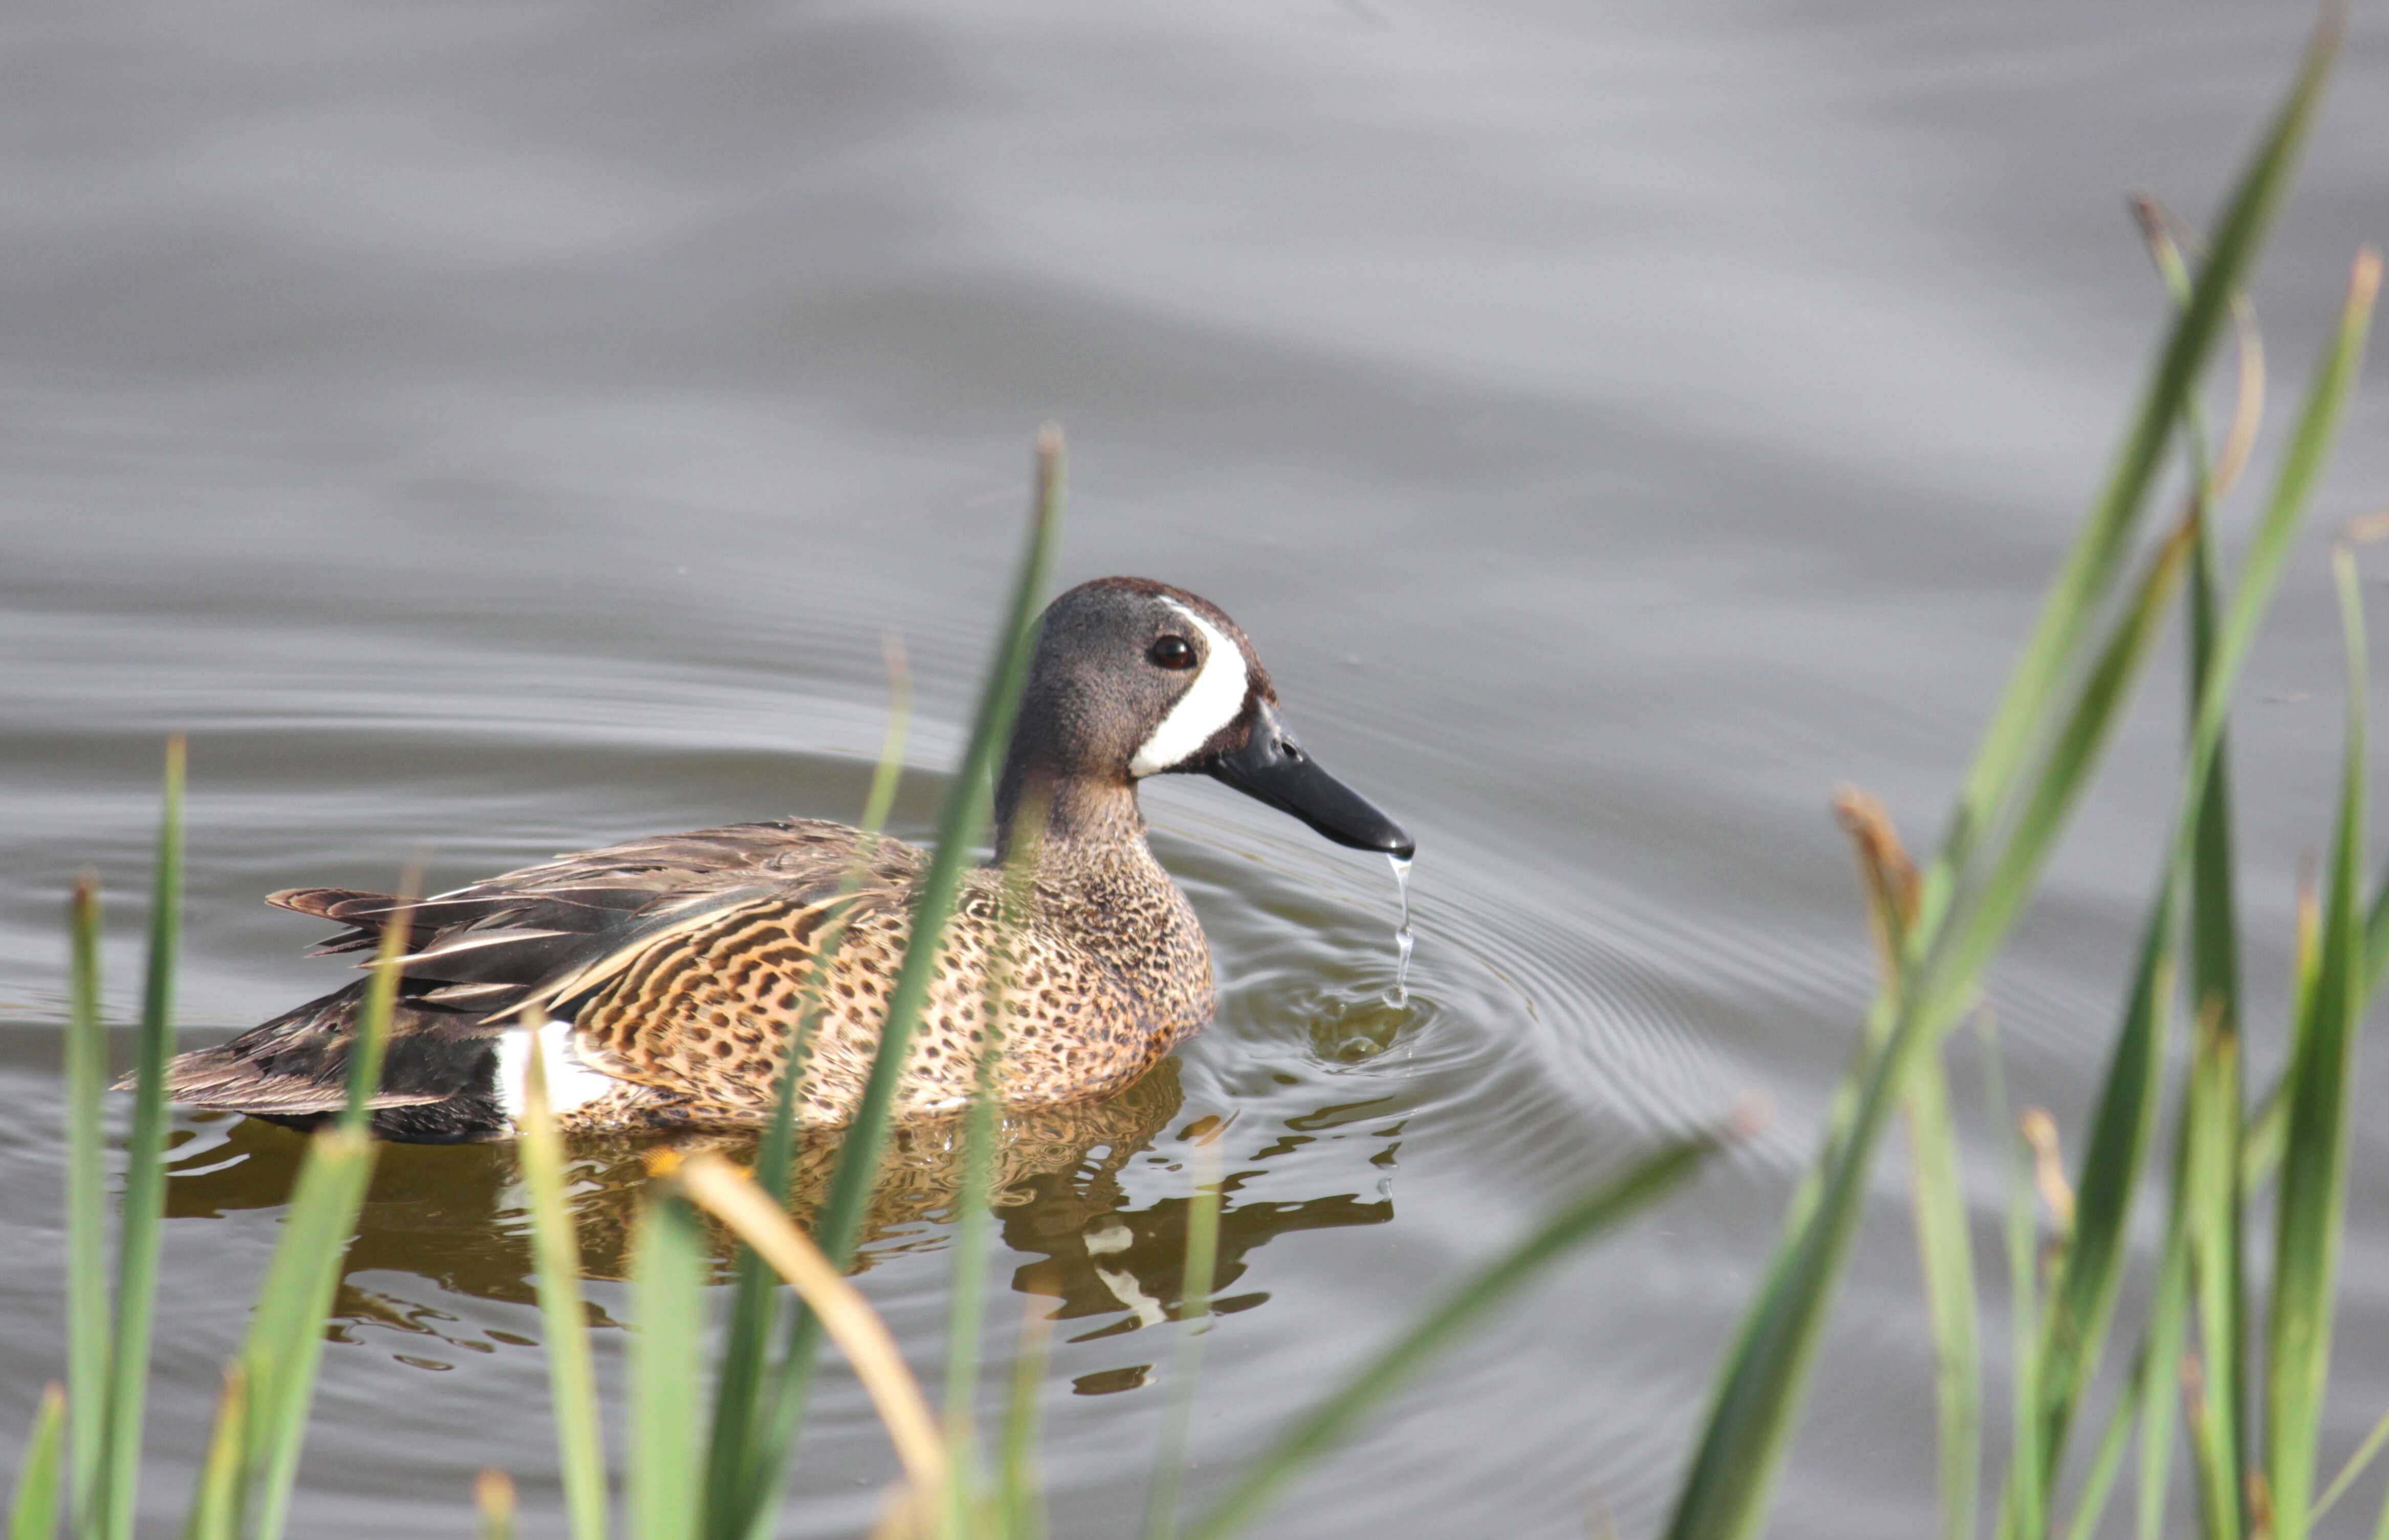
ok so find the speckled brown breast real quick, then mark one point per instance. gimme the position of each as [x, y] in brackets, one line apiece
[1109, 972]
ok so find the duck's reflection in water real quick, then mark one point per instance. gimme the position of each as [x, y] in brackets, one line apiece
[454, 1216]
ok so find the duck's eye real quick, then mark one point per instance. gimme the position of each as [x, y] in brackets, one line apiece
[1172, 652]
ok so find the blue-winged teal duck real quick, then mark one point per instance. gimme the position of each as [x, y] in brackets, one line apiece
[672, 971]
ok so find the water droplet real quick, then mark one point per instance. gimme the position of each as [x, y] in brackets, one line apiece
[1400, 994]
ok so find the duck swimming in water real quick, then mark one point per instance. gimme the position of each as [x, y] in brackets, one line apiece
[671, 972]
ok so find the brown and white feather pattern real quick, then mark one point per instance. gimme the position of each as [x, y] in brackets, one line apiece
[695, 1019]
[677, 969]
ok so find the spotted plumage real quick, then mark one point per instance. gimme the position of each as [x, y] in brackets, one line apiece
[670, 973]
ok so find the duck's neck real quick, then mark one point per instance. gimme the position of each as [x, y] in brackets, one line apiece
[1066, 816]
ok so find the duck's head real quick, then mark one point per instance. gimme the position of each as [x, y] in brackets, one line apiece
[1135, 678]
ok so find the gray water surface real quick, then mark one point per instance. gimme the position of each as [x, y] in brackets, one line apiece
[497, 429]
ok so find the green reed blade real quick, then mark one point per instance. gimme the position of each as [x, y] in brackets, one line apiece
[1186, 1357]
[736, 1454]
[2357, 1463]
[748, 1442]
[2107, 1457]
[2212, 1221]
[381, 998]
[285, 1345]
[2167, 1340]
[2277, 529]
[33, 1513]
[960, 823]
[216, 1506]
[87, 1298]
[2092, 565]
[1746, 1432]
[1019, 1503]
[2314, 1163]
[2024, 1503]
[145, 1176]
[1951, 974]
[2156, 1372]
[732, 1460]
[2215, 1105]
[555, 1248]
[2333, 987]
[2260, 1147]
[966, 1311]
[1466, 1307]
[2200, 849]
[1945, 1247]
[668, 1283]
[975, 1220]
[1946, 1258]
[1730, 1479]
[2123, 1126]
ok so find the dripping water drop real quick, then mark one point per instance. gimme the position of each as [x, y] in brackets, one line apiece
[1400, 994]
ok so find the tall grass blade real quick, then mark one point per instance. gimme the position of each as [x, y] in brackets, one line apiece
[1946, 1256]
[2107, 1459]
[2212, 1217]
[2214, 1106]
[1186, 1357]
[1731, 1478]
[1951, 973]
[285, 1344]
[1488, 1289]
[734, 1461]
[2200, 857]
[2023, 1506]
[982, 1129]
[87, 1297]
[2123, 1126]
[555, 1248]
[2355, 1468]
[2310, 451]
[381, 997]
[2314, 1163]
[33, 1513]
[668, 1281]
[1018, 1502]
[216, 1508]
[1944, 1248]
[717, 1187]
[145, 1174]
[2090, 567]
[960, 825]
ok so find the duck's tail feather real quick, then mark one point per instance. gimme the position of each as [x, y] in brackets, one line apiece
[439, 1079]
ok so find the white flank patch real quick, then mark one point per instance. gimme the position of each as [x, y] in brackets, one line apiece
[1210, 703]
[570, 1082]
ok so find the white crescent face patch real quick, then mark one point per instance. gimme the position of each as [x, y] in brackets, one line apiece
[1210, 703]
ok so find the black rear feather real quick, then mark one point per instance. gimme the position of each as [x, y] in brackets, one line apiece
[437, 1082]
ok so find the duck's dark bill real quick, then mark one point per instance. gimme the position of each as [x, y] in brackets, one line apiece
[1272, 769]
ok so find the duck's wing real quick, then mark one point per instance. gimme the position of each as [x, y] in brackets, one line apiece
[555, 929]
[478, 954]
